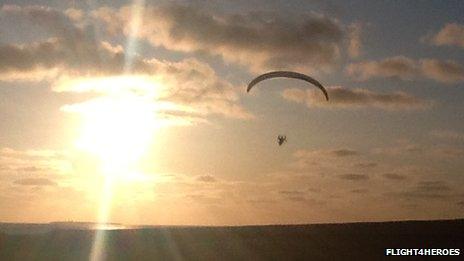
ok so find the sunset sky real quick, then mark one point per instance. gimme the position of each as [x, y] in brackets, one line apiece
[137, 112]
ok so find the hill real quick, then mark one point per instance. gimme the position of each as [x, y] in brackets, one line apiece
[350, 241]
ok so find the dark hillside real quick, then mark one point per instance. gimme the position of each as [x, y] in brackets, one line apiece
[352, 241]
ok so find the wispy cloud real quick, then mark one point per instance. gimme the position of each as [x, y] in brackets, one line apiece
[360, 191]
[404, 149]
[33, 161]
[445, 71]
[326, 160]
[355, 43]
[206, 178]
[335, 153]
[429, 190]
[450, 34]
[354, 177]
[448, 134]
[35, 182]
[366, 165]
[341, 97]
[299, 197]
[394, 176]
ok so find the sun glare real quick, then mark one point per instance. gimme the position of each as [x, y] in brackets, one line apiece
[118, 127]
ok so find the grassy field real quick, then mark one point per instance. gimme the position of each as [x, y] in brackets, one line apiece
[350, 241]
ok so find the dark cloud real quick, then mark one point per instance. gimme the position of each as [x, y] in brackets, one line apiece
[354, 177]
[360, 191]
[35, 182]
[318, 157]
[445, 71]
[366, 165]
[342, 97]
[394, 176]
[429, 190]
[344, 152]
[206, 178]
[433, 186]
[71, 48]
[256, 39]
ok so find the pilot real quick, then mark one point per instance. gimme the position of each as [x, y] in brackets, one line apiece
[281, 139]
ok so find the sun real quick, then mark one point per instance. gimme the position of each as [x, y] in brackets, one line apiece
[118, 131]
[117, 127]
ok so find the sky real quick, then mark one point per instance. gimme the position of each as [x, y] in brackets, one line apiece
[136, 112]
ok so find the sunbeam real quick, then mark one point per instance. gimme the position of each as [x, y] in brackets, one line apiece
[98, 247]
[131, 43]
[132, 134]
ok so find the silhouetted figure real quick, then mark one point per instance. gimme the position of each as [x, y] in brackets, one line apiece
[281, 139]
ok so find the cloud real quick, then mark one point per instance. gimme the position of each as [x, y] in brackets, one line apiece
[344, 152]
[291, 193]
[447, 152]
[448, 134]
[445, 71]
[429, 190]
[323, 161]
[398, 66]
[366, 165]
[206, 178]
[328, 153]
[433, 186]
[73, 60]
[75, 15]
[354, 46]
[35, 182]
[450, 34]
[70, 49]
[205, 199]
[394, 176]
[341, 97]
[36, 161]
[400, 148]
[29, 169]
[298, 196]
[256, 39]
[405, 149]
[360, 191]
[354, 177]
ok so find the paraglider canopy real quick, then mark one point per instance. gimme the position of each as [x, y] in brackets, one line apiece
[281, 139]
[287, 74]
